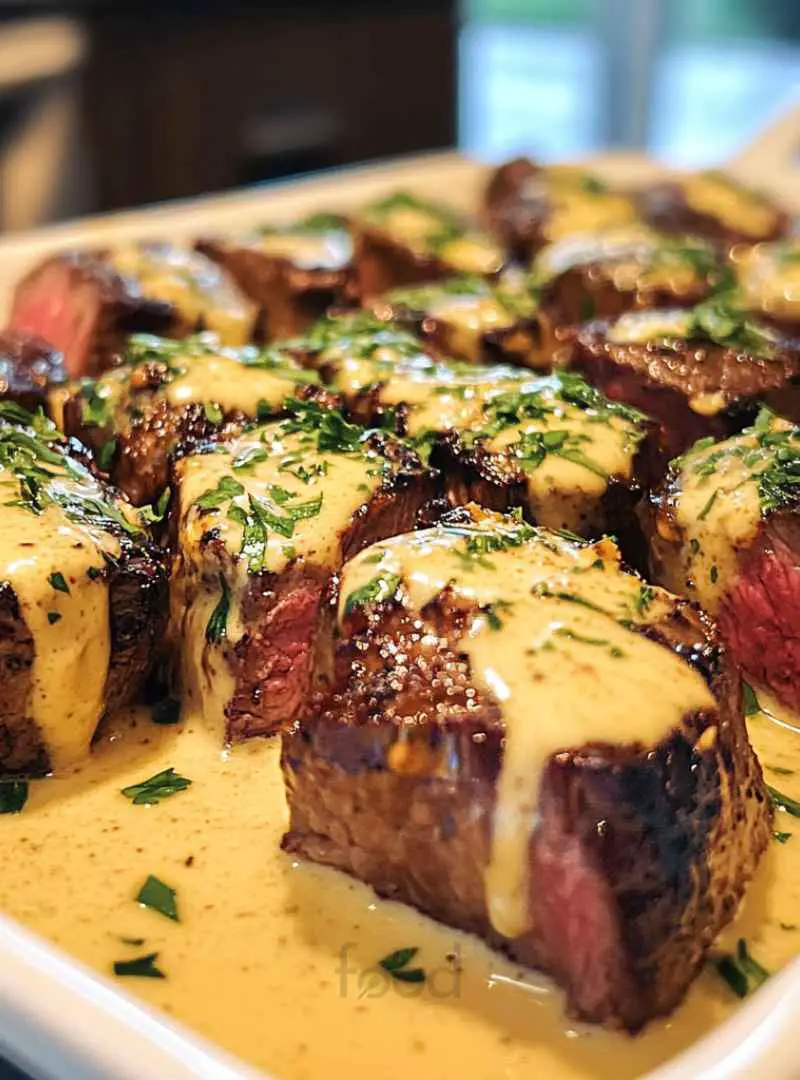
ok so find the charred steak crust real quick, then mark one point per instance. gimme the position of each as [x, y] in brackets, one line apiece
[641, 856]
[662, 377]
[385, 263]
[289, 618]
[21, 746]
[517, 222]
[752, 552]
[665, 206]
[80, 304]
[139, 442]
[137, 579]
[290, 297]
[29, 369]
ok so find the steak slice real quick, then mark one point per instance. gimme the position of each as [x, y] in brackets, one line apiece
[604, 273]
[713, 204]
[527, 205]
[29, 369]
[697, 372]
[768, 276]
[83, 599]
[725, 531]
[262, 530]
[547, 753]
[171, 396]
[293, 274]
[469, 319]
[86, 304]
[404, 240]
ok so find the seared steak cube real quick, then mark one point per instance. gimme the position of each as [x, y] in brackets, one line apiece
[725, 531]
[83, 599]
[470, 319]
[697, 372]
[263, 527]
[715, 205]
[527, 743]
[293, 274]
[768, 276]
[403, 240]
[527, 205]
[170, 395]
[29, 369]
[604, 273]
[86, 304]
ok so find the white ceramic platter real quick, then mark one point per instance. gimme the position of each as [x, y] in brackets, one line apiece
[61, 1021]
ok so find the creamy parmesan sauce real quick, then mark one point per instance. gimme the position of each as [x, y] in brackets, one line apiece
[233, 385]
[575, 211]
[337, 485]
[736, 207]
[469, 252]
[327, 250]
[718, 509]
[276, 961]
[70, 631]
[197, 286]
[769, 277]
[634, 257]
[555, 627]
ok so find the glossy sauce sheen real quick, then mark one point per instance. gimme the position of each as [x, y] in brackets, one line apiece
[276, 961]
[471, 252]
[70, 630]
[328, 250]
[769, 277]
[735, 207]
[555, 626]
[196, 286]
[719, 512]
[341, 483]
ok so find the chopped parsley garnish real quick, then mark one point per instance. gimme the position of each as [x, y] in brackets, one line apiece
[713, 574]
[706, 509]
[213, 413]
[58, 581]
[53, 617]
[227, 488]
[784, 802]
[105, 458]
[217, 626]
[250, 457]
[645, 598]
[396, 964]
[13, 796]
[151, 791]
[749, 700]
[741, 972]
[493, 612]
[149, 515]
[782, 837]
[95, 404]
[143, 966]
[381, 588]
[166, 711]
[158, 896]
[332, 431]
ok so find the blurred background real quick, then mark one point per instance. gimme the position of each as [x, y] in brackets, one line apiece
[112, 104]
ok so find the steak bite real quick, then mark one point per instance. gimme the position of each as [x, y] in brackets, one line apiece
[263, 527]
[170, 395]
[604, 273]
[470, 319]
[725, 531]
[87, 304]
[83, 599]
[293, 273]
[697, 372]
[527, 205]
[527, 743]
[558, 449]
[768, 277]
[402, 240]
[715, 205]
[29, 369]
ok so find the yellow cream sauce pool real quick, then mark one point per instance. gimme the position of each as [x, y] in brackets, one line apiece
[277, 961]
